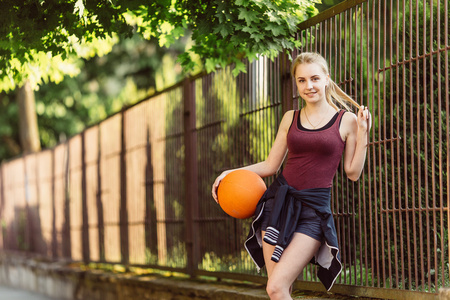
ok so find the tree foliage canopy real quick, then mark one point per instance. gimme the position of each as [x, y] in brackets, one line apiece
[38, 31]
[43, 41]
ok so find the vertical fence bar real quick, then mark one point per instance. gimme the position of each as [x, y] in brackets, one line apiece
[386, 237]
[378, 174]
[409, 206]
[408, 183]
[309, 46]
[424, 207]
[2, 204]
[346, 86]
[54, 231]
[67, 242]
[372, 159]
[191, 177]
[395, 146]
[84, 210]
[2, 201]
[287, 86]
[416, 200]
[351, 194]
[370, 87]
[403, 206]
[379, 257]
[438, 208]
[430, 202]
[99, 201]
[447, 108]
[26, 208]
[75, 197]
[356, 215]
[398, 193]
[123, 210]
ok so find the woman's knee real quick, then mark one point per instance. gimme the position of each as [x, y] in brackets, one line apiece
[277, 289]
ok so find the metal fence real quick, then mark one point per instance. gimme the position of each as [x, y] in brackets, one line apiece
[135, 189]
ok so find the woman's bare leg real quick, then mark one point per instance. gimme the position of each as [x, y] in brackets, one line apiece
[294, 259]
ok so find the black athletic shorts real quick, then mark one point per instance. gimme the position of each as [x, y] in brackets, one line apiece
[309, 222]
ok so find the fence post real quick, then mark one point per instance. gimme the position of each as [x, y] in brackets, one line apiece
[2, 206]
[66, 240]
[54, 231]
[124, 240]
[27, 215]
[287, 94]
[84, 208]
[190, 177]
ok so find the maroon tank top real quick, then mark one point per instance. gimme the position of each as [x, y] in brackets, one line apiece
[313, 155]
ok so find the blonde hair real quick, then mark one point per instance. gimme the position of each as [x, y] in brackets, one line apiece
[332, 90]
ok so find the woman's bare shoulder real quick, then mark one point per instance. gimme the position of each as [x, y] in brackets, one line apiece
[348, 117]
[287, 120]
[289, 113]
[348, 124]
[288, 116]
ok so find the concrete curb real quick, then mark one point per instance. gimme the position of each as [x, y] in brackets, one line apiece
[64, 281]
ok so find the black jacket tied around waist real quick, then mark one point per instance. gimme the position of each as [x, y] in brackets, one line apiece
[282, 223]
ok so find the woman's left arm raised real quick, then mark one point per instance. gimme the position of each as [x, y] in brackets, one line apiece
[356, 131]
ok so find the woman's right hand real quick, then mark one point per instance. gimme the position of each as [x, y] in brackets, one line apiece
[216, 183]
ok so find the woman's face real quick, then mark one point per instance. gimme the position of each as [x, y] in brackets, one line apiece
[311, 82]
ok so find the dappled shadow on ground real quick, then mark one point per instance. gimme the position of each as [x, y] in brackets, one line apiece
[324, 295]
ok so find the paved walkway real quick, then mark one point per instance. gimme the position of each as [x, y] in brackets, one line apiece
[9, 293]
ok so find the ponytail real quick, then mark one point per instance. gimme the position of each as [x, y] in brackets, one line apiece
[334, 92]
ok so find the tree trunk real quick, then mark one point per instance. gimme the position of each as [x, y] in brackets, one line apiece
[28, 126]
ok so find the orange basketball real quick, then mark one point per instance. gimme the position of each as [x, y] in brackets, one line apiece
[239, 192]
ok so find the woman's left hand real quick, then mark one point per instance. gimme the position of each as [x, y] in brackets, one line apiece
[364, 119]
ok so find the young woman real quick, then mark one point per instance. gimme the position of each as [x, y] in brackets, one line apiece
[293, 223]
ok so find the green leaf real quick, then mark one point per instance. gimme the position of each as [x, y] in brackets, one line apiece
[178, 32]
[276, 30]
[224, 30]
[239, 67]
[248, 16]
[250, 29]
[244, 3]
[257, 37]
[210, 65]
[274, 17]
